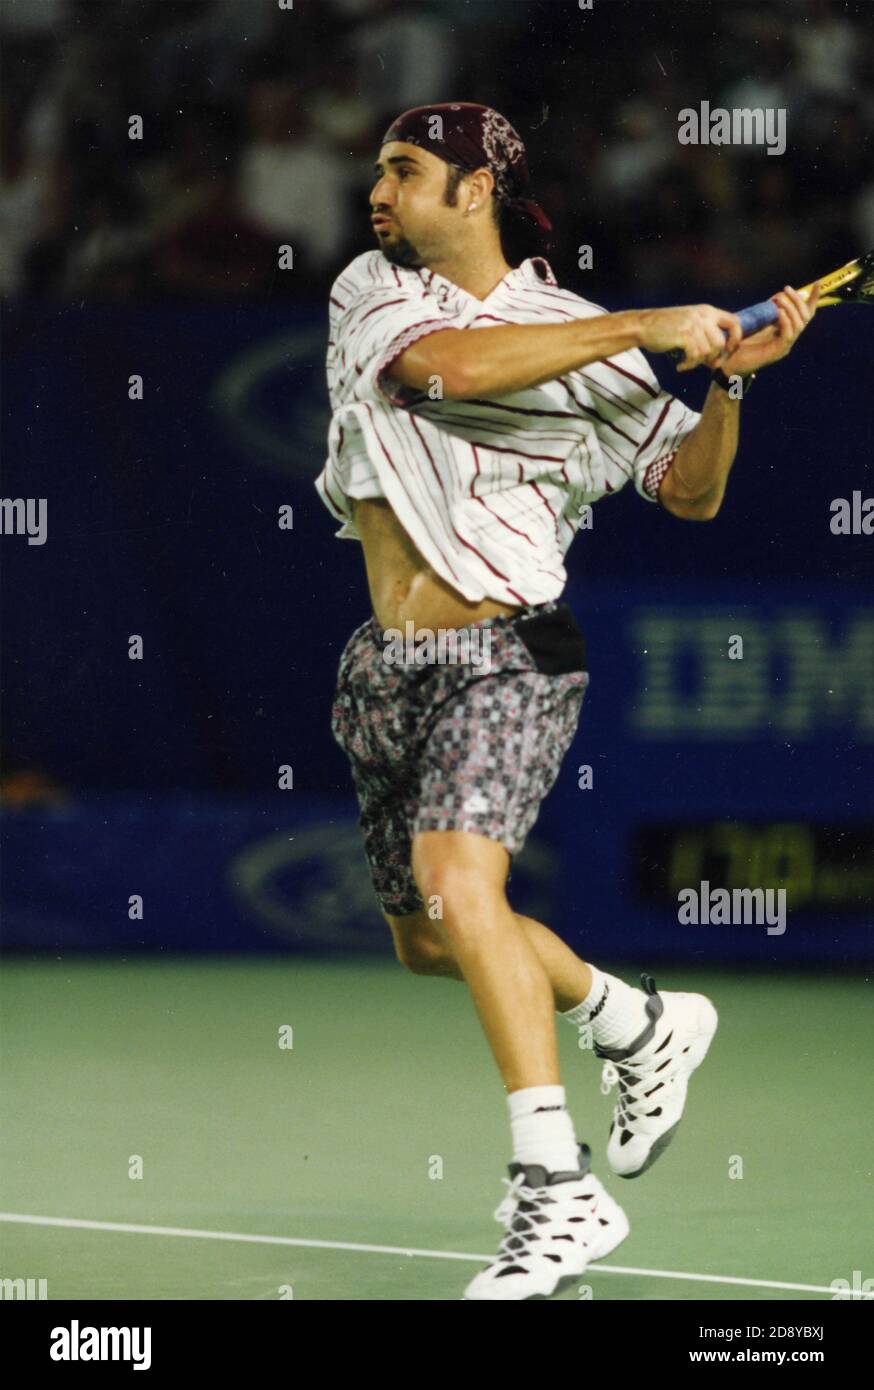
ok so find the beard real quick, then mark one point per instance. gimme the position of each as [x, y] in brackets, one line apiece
[402, 252]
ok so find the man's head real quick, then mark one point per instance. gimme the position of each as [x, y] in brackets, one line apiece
[451, 180]
[423, 208]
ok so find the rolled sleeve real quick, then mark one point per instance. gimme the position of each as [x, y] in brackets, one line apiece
[668, 422]
[375, 328]
[394, 391]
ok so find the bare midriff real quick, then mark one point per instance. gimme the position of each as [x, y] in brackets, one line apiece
[403, 586]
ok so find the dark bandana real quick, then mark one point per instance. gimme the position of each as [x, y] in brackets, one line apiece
[476, 137]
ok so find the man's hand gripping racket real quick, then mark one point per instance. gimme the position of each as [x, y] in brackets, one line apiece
[741, 343]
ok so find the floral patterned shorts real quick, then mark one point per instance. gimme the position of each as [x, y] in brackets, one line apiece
[454, 744]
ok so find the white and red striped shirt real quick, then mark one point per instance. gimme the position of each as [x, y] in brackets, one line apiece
[489, 491]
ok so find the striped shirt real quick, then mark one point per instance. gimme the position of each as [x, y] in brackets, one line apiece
[491, 492]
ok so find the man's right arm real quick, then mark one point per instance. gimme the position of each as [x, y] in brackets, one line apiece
[476, 362]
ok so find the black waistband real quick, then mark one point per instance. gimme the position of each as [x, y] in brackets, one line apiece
[553, 638]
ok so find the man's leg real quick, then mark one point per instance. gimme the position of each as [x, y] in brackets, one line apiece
[511, 990]
[423, 948]
[582, 994]
[629, 1026]
[558, 1216]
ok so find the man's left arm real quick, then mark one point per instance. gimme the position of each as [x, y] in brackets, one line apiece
[694, 485]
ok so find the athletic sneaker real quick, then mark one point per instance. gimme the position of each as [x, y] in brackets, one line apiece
[653, 1076]
[556, 1224]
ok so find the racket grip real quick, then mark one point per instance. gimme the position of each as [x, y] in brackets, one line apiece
[751, 320]
[757, 316]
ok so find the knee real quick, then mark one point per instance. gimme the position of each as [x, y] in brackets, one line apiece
[461, 877]
[439, 880]
[454, 892]
[420, 948]
[423, 955]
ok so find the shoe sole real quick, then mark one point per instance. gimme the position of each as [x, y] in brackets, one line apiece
[708, 1020]
[611, 1240]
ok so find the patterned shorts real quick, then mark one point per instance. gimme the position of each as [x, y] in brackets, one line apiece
[471, 746]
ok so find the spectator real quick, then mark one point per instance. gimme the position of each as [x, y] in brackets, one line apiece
[261, 125]
[404, 55]
[26, 183]
[215, 250]
[824, 42]
[291, 183]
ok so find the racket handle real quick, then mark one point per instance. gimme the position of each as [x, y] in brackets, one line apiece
[751, 320]
[757, 316]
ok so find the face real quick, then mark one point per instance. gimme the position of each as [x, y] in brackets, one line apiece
[411, 220]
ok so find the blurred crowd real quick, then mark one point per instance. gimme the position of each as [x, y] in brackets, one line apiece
[260, 126]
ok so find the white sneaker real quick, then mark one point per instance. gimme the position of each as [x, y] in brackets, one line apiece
[653, 1076]
[556, 1224]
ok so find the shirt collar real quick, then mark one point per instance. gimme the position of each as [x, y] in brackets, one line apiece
[533, 271]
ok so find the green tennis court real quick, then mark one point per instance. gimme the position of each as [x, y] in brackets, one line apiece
[384, 1125]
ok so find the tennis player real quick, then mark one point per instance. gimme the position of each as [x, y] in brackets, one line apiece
[478, 409]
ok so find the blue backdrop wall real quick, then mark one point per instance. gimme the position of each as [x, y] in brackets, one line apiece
[162, 522]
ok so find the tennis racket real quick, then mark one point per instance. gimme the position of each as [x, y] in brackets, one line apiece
[853, 283]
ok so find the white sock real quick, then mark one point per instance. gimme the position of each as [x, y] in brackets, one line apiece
[543, 1131]
[615, 1011]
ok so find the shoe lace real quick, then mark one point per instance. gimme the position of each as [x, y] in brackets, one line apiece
[633, 1080]
[521, 1216]
[609, 1077]
[626, 1098]
[506, 1208]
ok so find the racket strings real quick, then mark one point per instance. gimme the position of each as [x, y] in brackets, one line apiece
[865, 287]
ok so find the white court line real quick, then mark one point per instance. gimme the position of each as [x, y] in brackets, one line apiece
[194, 1234]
